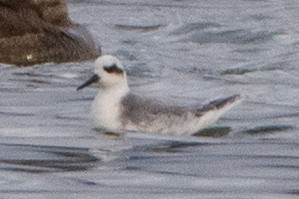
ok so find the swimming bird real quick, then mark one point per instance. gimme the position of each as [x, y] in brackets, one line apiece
[117, 109]
[39, 31]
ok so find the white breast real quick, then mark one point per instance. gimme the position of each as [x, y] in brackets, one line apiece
[106, 108]
[105, 111]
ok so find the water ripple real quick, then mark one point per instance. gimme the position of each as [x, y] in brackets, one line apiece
[36, 159]
[239, 36]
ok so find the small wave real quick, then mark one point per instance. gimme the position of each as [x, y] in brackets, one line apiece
[140, 28]
[187, 28]
[263, 130]
[38, 158]
[15, 114]
[260, 17]
[214, 132]
[238, 71]
[240, 36]
[249, 68]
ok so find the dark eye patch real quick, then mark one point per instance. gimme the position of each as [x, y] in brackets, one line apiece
[113, 69]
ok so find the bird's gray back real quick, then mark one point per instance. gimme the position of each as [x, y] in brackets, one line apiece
[148, 115]
[137, 110]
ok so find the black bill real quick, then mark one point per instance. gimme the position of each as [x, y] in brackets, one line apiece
[94, 79]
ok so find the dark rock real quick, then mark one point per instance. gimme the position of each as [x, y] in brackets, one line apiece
[39, 31]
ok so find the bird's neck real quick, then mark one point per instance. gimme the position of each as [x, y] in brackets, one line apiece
[115, 92]
[106, 106]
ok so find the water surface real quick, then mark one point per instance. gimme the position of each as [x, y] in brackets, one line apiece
[181, 52]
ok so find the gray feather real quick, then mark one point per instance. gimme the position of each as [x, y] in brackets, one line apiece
[216, 105]
[137, 110]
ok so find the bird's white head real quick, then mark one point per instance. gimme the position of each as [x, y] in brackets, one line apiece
[109, 73]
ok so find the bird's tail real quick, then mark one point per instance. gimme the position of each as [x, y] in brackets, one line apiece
[218, 104]
[213, 110]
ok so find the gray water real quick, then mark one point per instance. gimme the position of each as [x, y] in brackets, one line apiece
[181, 51]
